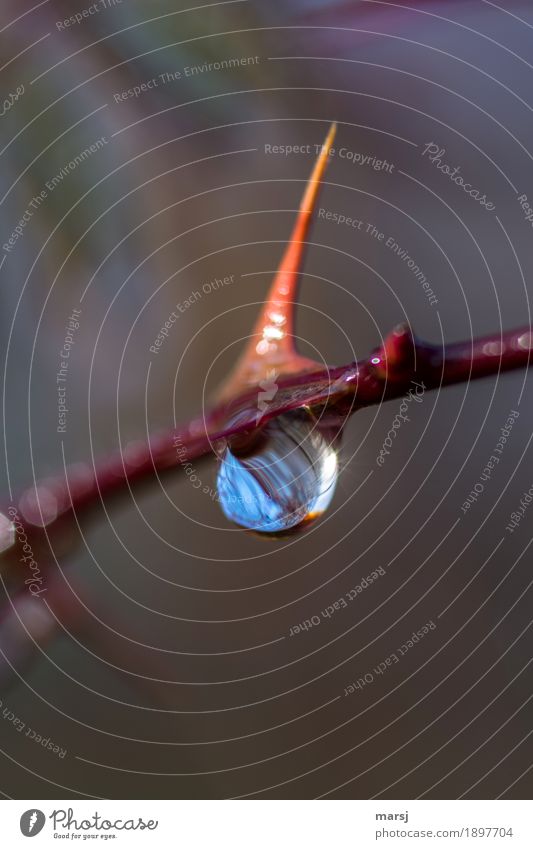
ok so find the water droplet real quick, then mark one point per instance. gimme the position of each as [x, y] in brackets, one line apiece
[39, 506]
[493, 349]
[525, 341]
[7, 533]
[286, 478]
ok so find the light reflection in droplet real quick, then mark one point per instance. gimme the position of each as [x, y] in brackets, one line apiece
[288, 480]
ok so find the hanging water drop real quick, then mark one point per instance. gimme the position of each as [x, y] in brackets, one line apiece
[285, 478]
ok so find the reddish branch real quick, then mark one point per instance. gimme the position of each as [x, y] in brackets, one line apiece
[44, 513]
[341, 390]
[337, 391]
[387, 374]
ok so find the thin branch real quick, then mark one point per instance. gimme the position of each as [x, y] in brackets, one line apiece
[48, 506]
[386, 374]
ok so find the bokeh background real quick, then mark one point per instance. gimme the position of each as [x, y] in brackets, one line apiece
[181, 680]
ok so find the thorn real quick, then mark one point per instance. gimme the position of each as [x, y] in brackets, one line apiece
[399, 348]
[396, 357]
[271, 345]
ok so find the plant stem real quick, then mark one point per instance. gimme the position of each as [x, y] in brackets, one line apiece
[385, 375]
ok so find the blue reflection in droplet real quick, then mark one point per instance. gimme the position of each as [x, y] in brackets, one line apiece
[289, 479]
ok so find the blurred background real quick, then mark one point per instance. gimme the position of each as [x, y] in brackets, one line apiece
[144, 158]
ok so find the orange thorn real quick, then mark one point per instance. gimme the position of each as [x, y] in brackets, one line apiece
[271, 347]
